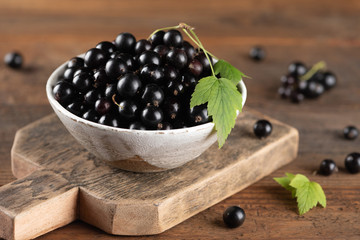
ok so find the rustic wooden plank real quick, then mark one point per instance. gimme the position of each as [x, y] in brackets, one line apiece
[127, 203]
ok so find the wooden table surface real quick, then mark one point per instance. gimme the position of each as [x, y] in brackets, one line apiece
[49, 33]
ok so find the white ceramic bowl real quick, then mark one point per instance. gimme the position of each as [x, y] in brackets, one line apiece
[136, 150]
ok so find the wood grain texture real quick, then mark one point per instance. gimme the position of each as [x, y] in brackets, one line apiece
[67, 182]
[49, 34]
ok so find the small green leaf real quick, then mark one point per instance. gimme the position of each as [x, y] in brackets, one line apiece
[202, 91]
[285, 183]
[309, 195]
[298, 181]
[225, 99]
[228, 71]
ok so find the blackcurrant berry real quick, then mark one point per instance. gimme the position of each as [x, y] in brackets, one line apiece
[128, 59]
[102, 106]
[152, 73]
[91, 115]
[64, 93]
[137, 126]
[171, 108]
[101, 78]
[83, 82]
[77, 108]
[69, 73]
[173, 38]
[257, 53]
[157, 38]
[188, 80]
[289, 80]
[106, 47]
[111, 121]
[189, 50]
[297, 69]
[141, 46]
[262, 128]
[205, 63]
[76, 62]
[149, 57]
[128, 109]
[234, 216]
[198, 115]
[352, 162]
[14, 60]
[175, 88]
[92, 96]
[83, 70]
[95, 58]
[129, 85]
[327, 167]
[351, 132]
[162, 50]
[329, 80]
[125, 42]
[314, 89]
[110, 90]
[164, 126]
[153, 95]
[177, 58]
[151, 116]
[196, 67]
[170, 73]
[115, 67]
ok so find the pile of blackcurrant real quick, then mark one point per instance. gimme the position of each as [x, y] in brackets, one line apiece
[300, 82]
[144, 84]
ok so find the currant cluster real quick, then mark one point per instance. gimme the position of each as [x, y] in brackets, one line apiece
[352, 165]
[296, 88]
[144, 84]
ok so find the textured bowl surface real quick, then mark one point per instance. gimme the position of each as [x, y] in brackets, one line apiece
[136, 150]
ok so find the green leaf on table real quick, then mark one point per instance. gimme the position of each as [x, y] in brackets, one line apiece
[285, 183]
[228, 71]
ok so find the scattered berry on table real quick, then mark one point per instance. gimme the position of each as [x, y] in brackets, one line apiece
[262, 128]
[327, 167]
[14, 60]
[352, 162]
[234, 216]
[351, 132]
[257, 53]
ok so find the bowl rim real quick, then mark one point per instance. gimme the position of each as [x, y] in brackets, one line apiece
[56, 105]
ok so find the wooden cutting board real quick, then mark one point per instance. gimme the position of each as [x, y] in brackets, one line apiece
[59, 181]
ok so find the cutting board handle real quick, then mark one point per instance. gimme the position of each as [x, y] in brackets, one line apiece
[36, 204]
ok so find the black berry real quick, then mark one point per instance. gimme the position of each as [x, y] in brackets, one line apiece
[173, 38]
[151, 116]
[115, 67]
[257, 53]
[234, 216]
[297, 69]
[125, 42]
[352, 162]
[95, 58]
[64, 93]
[106, 47]
[351, 132]
[262, 128]
[129, 85]
[327, 167]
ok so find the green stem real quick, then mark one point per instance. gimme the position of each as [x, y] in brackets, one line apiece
[197, 44]
[317, 67]
[163, 29]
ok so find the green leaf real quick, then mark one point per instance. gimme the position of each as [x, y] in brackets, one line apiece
[299, 180]
[228, 71]
[309, 195]
[202, 91]
[285, 183]
[223, 102]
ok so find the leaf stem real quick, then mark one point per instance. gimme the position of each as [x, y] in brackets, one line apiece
[317, 67]
[162, 29]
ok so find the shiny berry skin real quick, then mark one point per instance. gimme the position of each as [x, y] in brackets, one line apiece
[91, 115]
[110, 90]
[327, 167]
[77, 108]
[151, 116]
[285, 92]
[352, 162]
[173, 38]
[289, 80]
[297, 69]
[175, 88]
[129, 85]
[162, 50]
[198, 115]
[171, 73]
[149, 57]
[125, 42]
[82, 70]
[196, 67]
[329, 80]
[141, 46]
[128, 59]
[83, 82]
[137, 126]
[115, 67]
[153, 95]
[351, 132]
[64, 93]
[102, 106]
[234, 217]
[14, 60]
[257, 53]
[157, 38]
[171, 108]
[188, 80]
[205, 63]
[313, 89]
[262, 128]
[101, 78]
[69, 73]
[106, 47]
[177, 58]
[76, 62]
[189, 50]
[95, 58]
[128, 109]
[110, 120]
[92, 96]
[152, 73]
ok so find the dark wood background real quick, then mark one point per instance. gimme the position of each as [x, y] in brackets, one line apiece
[48, 33]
